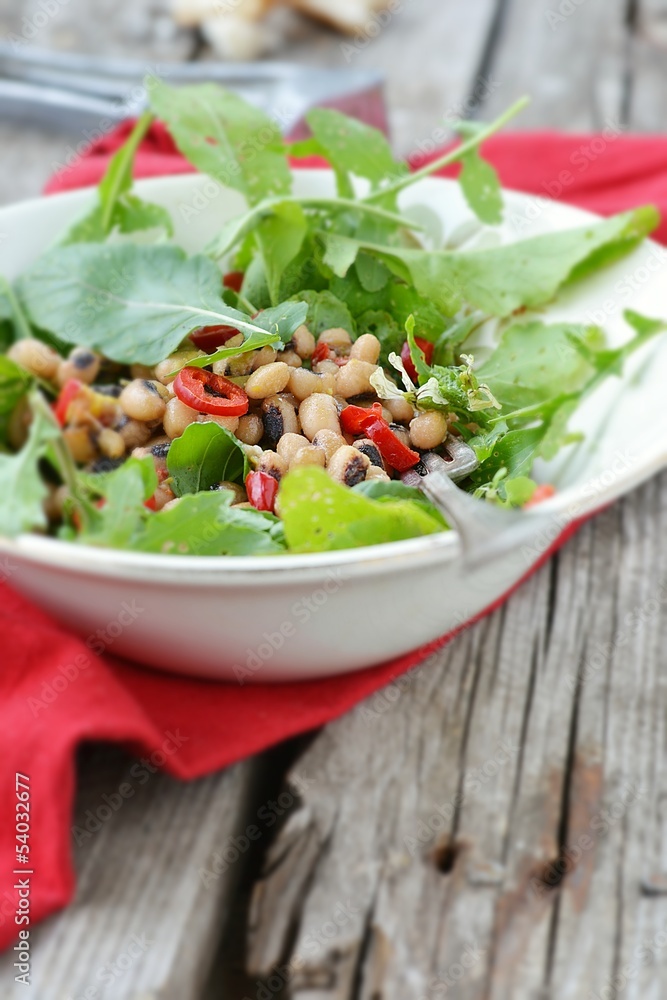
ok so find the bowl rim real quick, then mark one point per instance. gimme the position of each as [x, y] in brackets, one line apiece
[566, 506]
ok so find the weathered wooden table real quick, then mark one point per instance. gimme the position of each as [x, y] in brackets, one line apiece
[489, 827]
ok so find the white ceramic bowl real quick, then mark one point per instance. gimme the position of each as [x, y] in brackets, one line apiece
[271, 619]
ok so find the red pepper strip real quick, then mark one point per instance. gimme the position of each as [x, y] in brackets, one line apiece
[321, 353]
[208, 338]
[542, 493]
[209, 393]
[262, 490]
[71, 389]
[392, 449]
[425, 346]
[233, 280]
[352, 417]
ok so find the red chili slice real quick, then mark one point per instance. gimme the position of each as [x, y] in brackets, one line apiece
[262, 490]
[69, 392]
[352, 417]
[209, 393]
[425, 346]
[233, 280]
[209, 338]
[390, 446]
[321, 353]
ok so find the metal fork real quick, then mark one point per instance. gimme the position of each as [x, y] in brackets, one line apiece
[486, 532]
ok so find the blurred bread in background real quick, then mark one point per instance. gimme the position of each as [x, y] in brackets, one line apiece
[246, 29]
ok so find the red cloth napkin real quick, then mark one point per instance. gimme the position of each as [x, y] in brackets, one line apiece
[56, 693]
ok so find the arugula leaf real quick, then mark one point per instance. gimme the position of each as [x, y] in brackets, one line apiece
[320, 515]
[351, 147]
[137, 303]
[280, 322]
[520, 490]
[14, 384]
[204, 524]
[394, 489]
[479, 181]
[21, 486]
[125, 490]
[204, 455]
[325, 312]
[12, 312]
[533, 361]
[116, 208]
[280, 237]
[503, 279]
[224, 136]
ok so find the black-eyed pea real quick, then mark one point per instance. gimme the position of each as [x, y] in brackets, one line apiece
[336, 338]
[264, 356]
[82, 364]
[349, 466]
[326, 366]
[303, 383]
[164, 370]
[291, 358]
[290, 444]
[19, 424]
[428, 430]
[239, 495]
[134, 433]
[273, 464]
[227, 423]
[177, 416]
[250, 429]
[170, 504]
[303, 342]
[280, 417]
[329, 442]
[401, 433]
[111, 443]
[310, 455]
[239, 365]
[318, 413]
[375, 472]
[80, 443]
[353, 379]
[401, 410]
[144, 399]
[142, 371]
[37, 358]
[368, 448]
[268, 380]
[366, 348]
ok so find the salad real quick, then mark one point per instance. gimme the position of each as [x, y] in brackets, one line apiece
[265, 394]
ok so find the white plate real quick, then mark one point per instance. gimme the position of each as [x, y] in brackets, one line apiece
[282, 617]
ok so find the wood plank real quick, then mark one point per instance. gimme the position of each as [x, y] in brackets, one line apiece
[146, 923]
[477, 905]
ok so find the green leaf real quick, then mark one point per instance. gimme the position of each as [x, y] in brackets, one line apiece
[352, 147]
[203, 524]
[534, 361]
[394, 489]
[279, 323]
[136, 303]
[21, 486]
[320, 515]
[481, 187]
[503, 279]
[125, 490]
[224, 136]
[325, 312]
[204, 455]
[383, 326]
[14, 385]
[280, 237]
[520, 490]
[116, 208]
